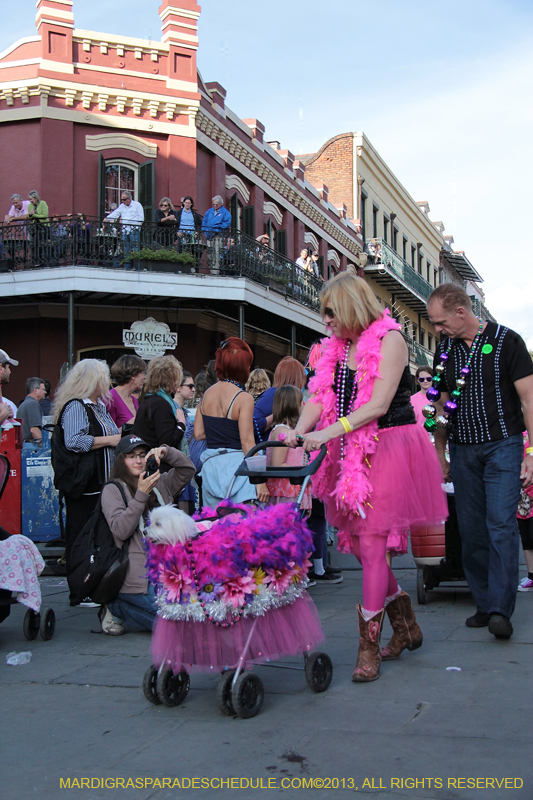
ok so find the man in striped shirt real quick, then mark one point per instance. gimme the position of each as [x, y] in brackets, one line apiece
[494, 407]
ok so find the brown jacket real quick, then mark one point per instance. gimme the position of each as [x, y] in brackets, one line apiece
[124, 520]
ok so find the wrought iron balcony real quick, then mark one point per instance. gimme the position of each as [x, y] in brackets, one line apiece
[153, 248]
[387, 268]
[481, 310]
[422, 355]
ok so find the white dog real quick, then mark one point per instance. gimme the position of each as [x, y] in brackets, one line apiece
[169, 525]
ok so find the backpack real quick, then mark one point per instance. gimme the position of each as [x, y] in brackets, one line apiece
[97, 566]
[73, 471]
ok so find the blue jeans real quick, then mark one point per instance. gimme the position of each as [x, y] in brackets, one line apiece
[131, 240]
[137, 611]
[487, 484]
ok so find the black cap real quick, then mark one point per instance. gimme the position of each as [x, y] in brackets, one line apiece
[129, 443]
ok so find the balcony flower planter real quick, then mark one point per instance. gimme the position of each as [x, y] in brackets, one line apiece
[165, 266]
[162, 261]
[277, 285]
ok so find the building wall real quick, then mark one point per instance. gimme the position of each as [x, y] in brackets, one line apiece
[333, 165]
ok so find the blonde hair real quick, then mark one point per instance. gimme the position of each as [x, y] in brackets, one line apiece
[84, 379]
[257, 383]
[164, 372]
[352, 301]
[166, 200]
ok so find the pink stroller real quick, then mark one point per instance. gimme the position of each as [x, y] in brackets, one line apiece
[235, 595]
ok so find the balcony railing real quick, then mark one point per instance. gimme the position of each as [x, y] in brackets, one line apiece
[481, 310]
[153, 248]
[381, 253]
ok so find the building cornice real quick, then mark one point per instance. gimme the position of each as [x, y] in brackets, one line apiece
[271, 179]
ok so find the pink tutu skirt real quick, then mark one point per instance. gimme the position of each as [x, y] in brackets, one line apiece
[202, 646]
[407, 490]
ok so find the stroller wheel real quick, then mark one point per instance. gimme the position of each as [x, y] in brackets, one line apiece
[318, 672]
[48, 624]
[247, 695]
[420, 587]
[31, 624]
[223, 694]
[172, 689]
[149, 686]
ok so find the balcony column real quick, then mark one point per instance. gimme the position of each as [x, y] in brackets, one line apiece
[293, 340]
[241, 321]
[70, 330]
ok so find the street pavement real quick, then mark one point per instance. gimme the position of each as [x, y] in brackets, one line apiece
[77, 712]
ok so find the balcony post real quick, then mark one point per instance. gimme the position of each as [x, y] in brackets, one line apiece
[70, 330]
[293, 340]
[241, 321]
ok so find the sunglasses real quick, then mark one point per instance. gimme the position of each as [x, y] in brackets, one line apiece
[329, 313]
[187, 385]
[425, 380]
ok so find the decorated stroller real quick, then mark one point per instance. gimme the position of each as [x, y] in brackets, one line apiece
[235, 595]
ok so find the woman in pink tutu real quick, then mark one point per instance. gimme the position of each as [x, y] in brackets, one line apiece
[381, 475]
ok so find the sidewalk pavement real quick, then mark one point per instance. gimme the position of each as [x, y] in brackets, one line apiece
[77, 711]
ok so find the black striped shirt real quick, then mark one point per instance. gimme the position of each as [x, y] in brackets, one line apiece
[489, 408]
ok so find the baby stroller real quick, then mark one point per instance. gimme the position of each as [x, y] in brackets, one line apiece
[242, 599]
[20, 566]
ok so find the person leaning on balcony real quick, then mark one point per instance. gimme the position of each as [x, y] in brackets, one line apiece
[18, 210]
[38, 216]
[131, 214]
[165, 220]
[215, 225]
[188, 219]
[37, 208]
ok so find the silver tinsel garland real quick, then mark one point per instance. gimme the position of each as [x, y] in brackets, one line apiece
[220, 612]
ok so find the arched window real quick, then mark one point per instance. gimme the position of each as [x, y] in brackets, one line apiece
[120, 175]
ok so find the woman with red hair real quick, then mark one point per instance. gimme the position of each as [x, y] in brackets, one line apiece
[289, 372]
[225, 420]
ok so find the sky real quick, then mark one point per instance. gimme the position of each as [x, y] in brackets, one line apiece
[442, 90]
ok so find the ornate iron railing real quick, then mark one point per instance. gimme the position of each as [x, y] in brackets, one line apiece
[481, 310]
[150, 247]
[380, 252]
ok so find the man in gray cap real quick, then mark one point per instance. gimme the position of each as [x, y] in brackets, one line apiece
[5, 374]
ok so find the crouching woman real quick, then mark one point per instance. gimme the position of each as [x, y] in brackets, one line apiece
[134, 607]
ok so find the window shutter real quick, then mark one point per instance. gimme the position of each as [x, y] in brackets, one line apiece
[321, 265]
[102, 211]
[281, 242]
[234, 211]
[248, 221]
[147, 188]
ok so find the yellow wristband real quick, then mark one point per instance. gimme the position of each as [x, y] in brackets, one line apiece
[345, 424]
[529, 451]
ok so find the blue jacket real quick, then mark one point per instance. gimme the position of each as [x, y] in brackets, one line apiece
[216, 221]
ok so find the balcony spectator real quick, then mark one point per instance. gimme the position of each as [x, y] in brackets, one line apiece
[304, 260]
[128, 373]
[59, 239]
[166, 222]
[39, 230]
[189, 220]
[316, 266]
[18, 210]
[30, 412]
[5, 373]
[81, 233]
[215, 225]
[424, 376]
[131, 214]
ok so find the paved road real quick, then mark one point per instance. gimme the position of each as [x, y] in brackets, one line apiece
[77, 711]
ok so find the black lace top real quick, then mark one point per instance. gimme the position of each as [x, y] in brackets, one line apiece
[400, 411]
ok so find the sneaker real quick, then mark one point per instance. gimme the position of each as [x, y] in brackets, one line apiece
[109, 625]
[327, 577]
[525, 585]
[333, 570]
[88, 603]
[310, 583]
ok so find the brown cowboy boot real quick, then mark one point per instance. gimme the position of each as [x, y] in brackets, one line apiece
[406, 630]
[368, 657]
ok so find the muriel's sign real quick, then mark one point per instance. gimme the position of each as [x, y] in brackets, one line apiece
[150, 338]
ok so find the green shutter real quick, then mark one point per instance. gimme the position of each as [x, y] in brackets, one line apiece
[281, 242]
[102, 210]
[248, 220]
[147, 189]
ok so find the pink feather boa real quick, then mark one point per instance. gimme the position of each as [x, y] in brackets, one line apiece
[350, 479]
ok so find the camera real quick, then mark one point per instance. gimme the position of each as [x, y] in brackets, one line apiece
[151, 467]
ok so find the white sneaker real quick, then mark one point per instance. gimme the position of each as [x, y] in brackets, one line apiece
[108, 623]
[88, 603]
[525, 585]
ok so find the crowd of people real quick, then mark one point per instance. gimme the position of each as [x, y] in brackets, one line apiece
[387, 452]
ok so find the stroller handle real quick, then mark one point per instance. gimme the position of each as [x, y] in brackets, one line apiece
[296, 475]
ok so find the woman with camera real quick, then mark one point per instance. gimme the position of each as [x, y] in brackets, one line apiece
[137, 469]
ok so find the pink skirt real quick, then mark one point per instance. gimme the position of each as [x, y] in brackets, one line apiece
[202, 646]
[407, 490]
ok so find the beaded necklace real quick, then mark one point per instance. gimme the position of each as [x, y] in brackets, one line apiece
[340, 391]
[433, 394]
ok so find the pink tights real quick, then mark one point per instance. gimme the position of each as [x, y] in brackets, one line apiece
[378, 578]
